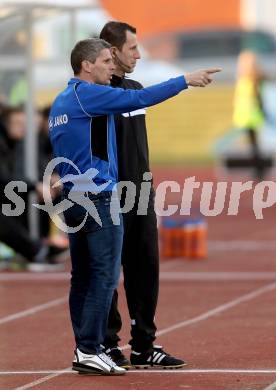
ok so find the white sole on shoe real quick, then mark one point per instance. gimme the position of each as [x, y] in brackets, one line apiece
[37, 267]
[86, 370]
[146, 366]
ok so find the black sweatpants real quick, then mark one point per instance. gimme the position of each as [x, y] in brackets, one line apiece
[14, 234]
[259, 168]
[140, 261]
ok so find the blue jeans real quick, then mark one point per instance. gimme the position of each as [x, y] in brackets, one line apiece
[96, 259]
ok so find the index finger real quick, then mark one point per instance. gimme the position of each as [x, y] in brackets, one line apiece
[213, 70]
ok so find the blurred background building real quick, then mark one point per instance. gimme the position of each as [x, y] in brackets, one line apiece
[175, 36]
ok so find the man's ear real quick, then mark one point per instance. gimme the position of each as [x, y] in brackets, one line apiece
[113, 51]
[86, 66]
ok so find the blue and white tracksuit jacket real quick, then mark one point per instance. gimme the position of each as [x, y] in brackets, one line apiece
[82, 130]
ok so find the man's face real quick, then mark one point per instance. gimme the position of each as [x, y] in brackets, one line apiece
[16, 125]
[125, 59]
[103, 68]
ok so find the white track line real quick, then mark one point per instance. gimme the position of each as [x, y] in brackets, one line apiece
[271, 387]
[245, 245]
[154, 371]
[171, 263]
[164, 275]
[217, 276]
[49, 377]
[39, 381]
[202, 317]
[219, 309]
[44, 306]
[34, 277]
[62, 276]
[33, 310]
[38, 372]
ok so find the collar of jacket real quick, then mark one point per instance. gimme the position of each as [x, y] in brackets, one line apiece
[116, 80]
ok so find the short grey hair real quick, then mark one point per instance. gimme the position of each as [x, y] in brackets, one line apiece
[87, 49]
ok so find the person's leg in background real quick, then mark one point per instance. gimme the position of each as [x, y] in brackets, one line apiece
[259, 169]
[13, 234]
[39, 256]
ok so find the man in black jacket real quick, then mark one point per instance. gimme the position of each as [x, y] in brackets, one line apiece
[13, 229]
[140, 257]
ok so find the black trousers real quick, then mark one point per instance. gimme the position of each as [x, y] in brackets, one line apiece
[140, 261]
[259, 168]
[44, 221]
[14, 234]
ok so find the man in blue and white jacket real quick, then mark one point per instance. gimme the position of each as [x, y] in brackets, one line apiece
[82, 131]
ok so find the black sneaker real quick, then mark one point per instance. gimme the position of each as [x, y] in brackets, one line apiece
[118, 357]
[157, 357]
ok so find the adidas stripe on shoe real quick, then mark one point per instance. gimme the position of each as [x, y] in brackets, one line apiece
[157, 357]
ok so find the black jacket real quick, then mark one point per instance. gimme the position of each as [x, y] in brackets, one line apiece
[132, 142]
[11, 164]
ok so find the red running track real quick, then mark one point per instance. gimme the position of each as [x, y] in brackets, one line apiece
[218, 313]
